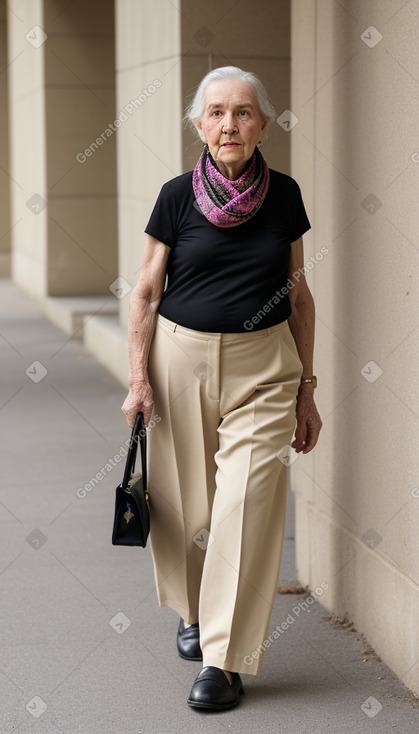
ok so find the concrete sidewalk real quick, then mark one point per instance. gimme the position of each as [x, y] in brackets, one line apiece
[84, 647]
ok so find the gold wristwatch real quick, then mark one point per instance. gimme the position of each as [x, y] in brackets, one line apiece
[309, 380]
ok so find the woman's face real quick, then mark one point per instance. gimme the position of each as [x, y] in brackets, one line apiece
[231, 124]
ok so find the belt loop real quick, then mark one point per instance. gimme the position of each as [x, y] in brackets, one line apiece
[175, 328]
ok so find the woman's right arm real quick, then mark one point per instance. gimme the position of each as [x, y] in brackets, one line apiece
[144, 303]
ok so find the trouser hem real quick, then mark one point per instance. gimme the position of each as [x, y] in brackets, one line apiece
[234, 663]
[179, 609]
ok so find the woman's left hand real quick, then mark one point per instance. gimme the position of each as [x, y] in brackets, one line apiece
[308, 421]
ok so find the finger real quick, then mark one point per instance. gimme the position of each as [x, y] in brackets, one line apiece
[147, 414]
[311, 441]
[308, 447]
[300, 432]
[127, 416]
[298, 445]
[300, 436]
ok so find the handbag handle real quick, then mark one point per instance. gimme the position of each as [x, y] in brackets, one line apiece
[139, 433]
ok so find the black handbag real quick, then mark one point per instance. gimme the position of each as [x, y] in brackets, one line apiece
[131, 524]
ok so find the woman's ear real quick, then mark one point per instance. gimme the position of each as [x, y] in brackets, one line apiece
[264, 127]
[198, 124]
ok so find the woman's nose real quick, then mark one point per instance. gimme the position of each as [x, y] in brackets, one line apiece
[229, 123]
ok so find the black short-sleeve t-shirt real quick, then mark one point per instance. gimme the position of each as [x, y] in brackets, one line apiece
[231, 279]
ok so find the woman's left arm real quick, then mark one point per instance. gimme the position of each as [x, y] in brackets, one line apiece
[301, 323]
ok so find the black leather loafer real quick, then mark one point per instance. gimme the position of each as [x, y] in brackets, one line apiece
[188, 641]
[212, 690]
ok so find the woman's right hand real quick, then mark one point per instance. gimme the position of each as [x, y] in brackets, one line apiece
[139, 398]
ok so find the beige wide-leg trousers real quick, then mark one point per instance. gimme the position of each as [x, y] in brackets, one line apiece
[225, 406]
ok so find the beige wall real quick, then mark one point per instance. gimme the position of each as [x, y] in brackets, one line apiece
[4, 153]
[357, 506]
[27, 148]
[148, 72]
[62, 97]
[80, 104]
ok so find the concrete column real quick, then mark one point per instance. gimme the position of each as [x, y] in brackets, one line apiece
[81, 145]
[148, 63]
[149, 151]
[28, 185]
[355, 155]
[5, 223]
[61, 61]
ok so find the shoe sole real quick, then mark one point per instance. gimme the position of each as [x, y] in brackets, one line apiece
[215, 706]
[212, 706]
[184, 657]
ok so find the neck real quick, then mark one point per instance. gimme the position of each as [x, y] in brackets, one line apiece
[232, 172]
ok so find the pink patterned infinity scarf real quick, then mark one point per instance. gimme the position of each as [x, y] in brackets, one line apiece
[227, 203]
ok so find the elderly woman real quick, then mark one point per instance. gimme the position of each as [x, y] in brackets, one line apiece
[224, 352]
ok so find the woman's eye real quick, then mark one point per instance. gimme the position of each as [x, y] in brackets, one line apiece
[216, 113]
[243, 113]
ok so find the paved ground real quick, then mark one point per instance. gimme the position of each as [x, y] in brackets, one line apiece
[84, 647]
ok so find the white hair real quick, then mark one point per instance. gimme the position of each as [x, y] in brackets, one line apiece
[196, 107]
